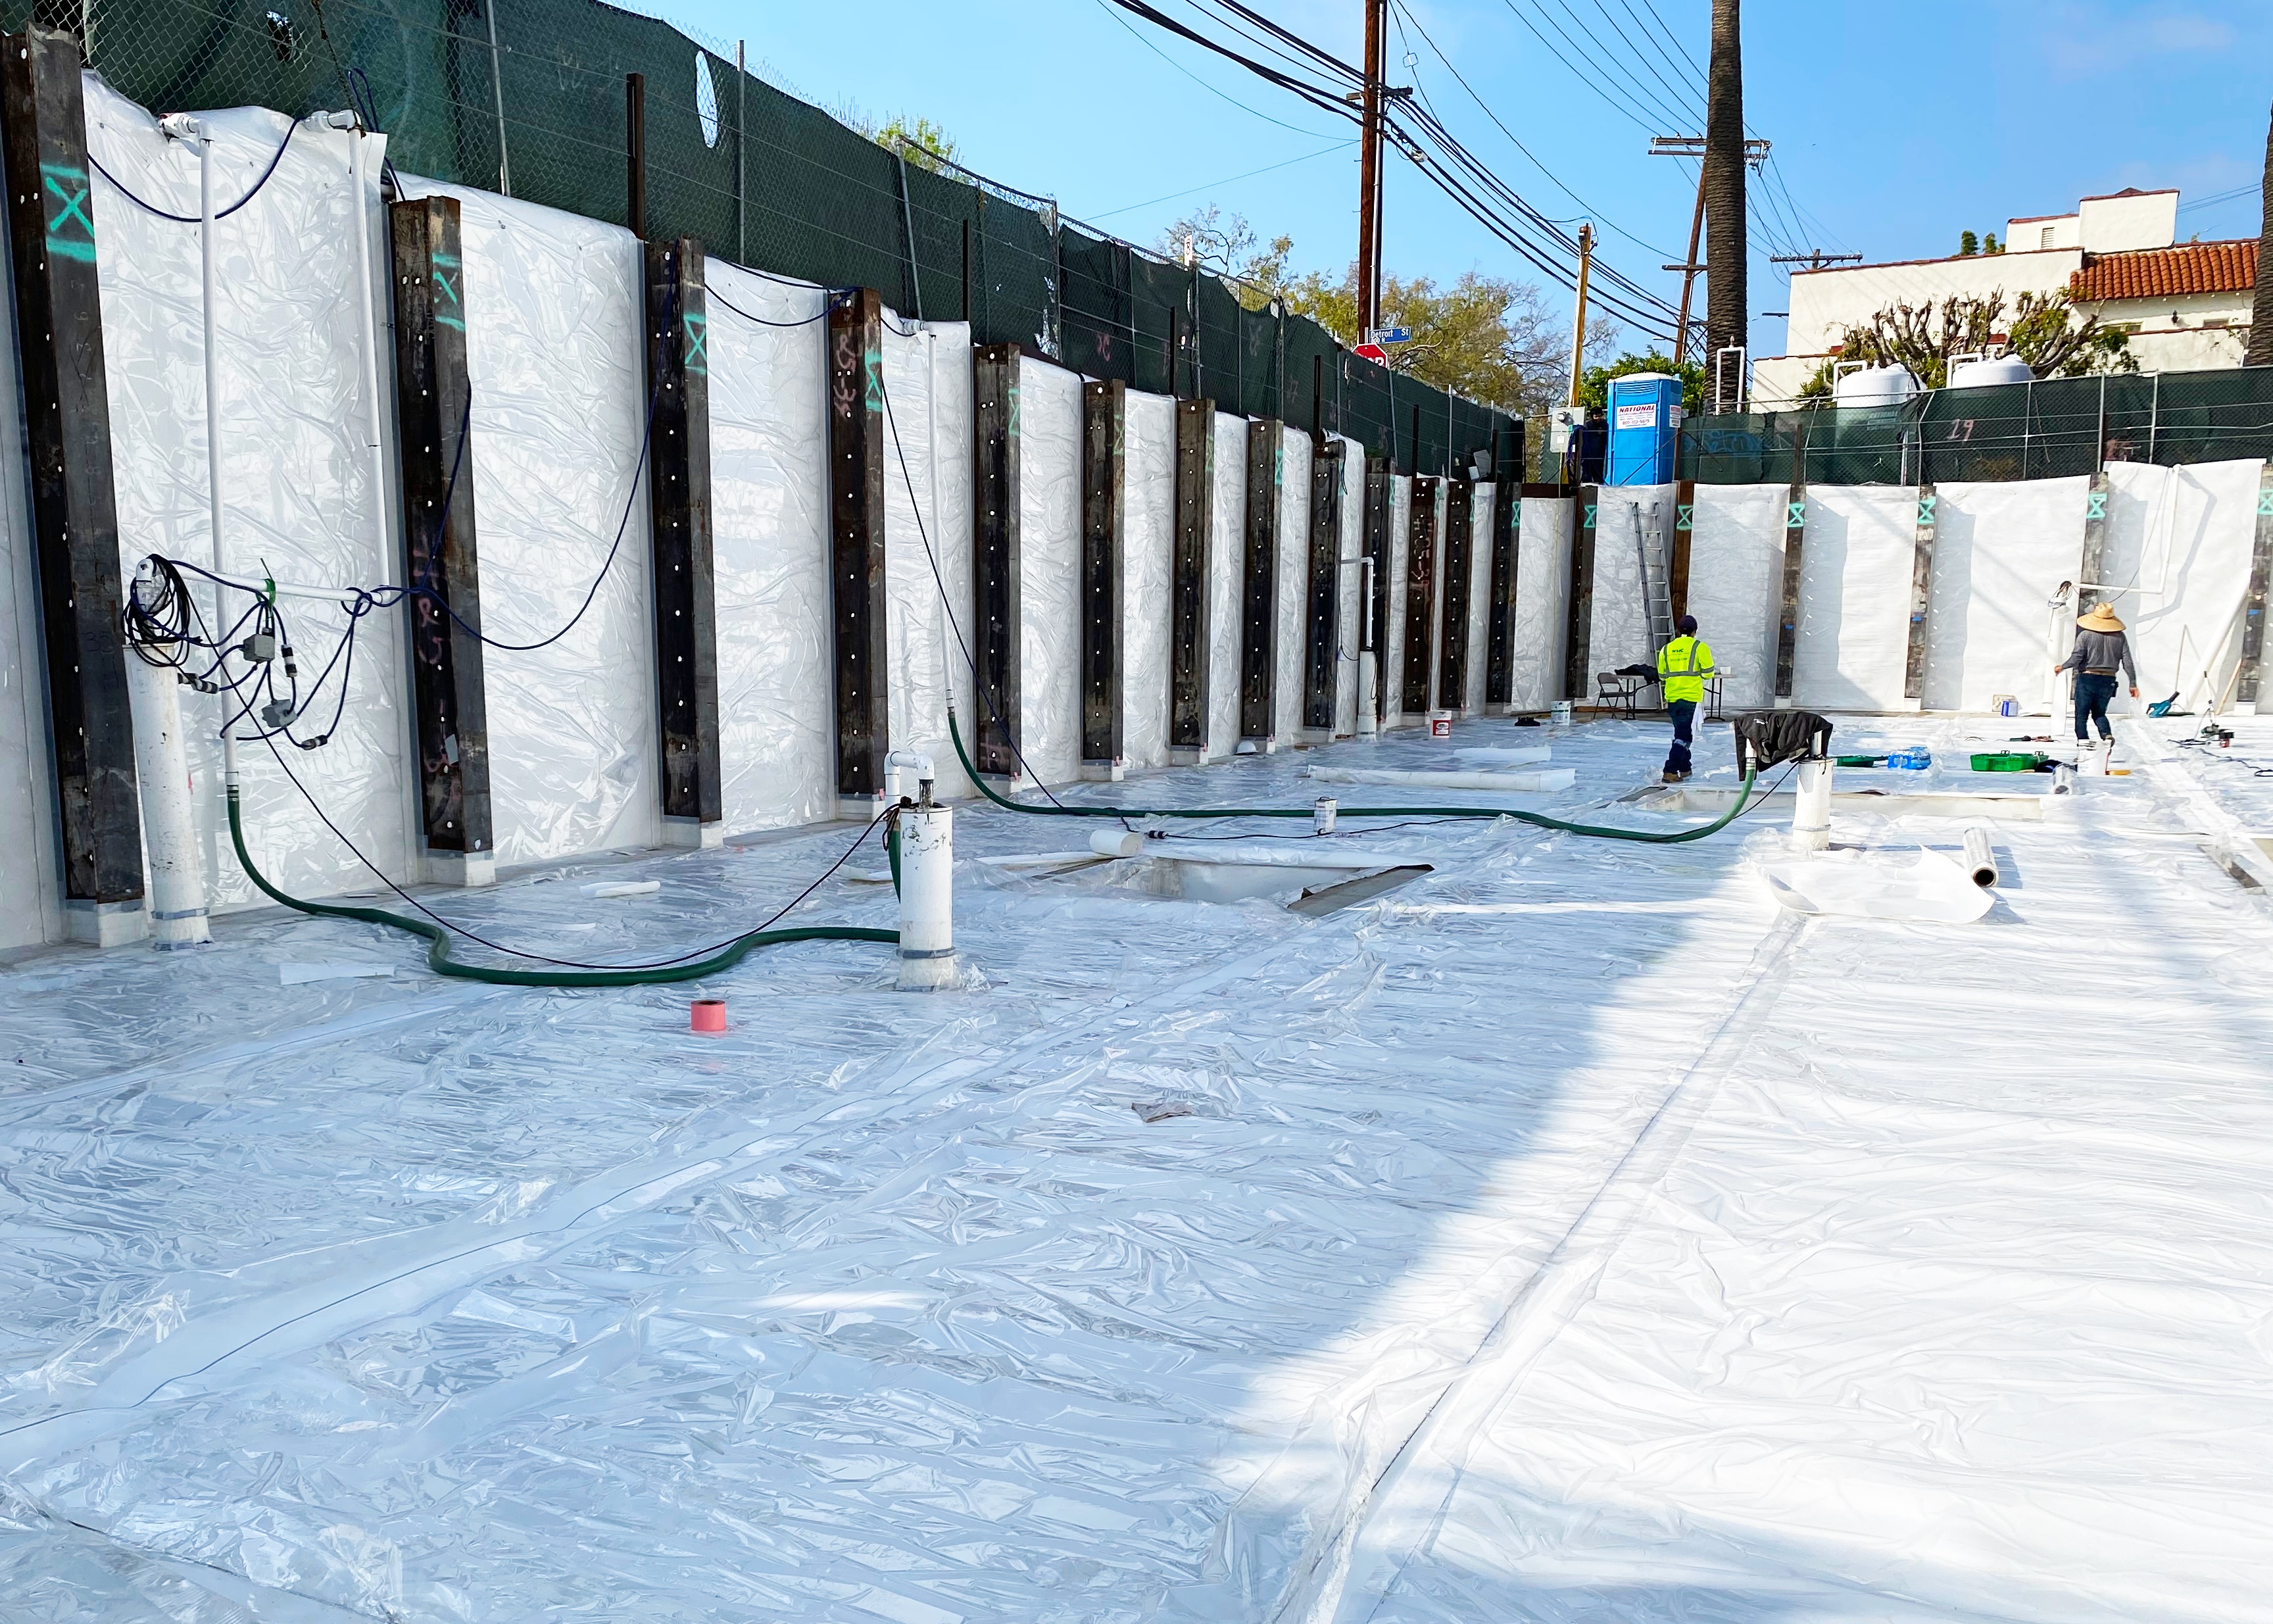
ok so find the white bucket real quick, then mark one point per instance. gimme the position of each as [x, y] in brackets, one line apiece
[2005, 704]
[1440, 724]
[1559, 714]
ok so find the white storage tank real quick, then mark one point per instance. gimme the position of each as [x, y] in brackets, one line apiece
[1875, 386]
[1996, 370]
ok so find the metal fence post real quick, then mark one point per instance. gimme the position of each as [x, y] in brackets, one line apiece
[497, 94]
[2099, 438]
[2154, 416]
[741, 155]
[2027, 421]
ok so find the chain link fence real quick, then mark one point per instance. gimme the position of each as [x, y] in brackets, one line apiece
[2029, 431]
[529, 98]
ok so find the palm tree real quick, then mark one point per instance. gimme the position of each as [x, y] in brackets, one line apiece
[2260, 350]
[1726, 296]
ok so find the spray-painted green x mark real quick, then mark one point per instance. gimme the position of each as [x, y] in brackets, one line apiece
[2094, 506]
[445, 293]
[1794, 515]
[698, 342]
[1925, 512]
[69, 185]
[1590, 515]
[2265, 504]
[873, 365]
[1684, 514]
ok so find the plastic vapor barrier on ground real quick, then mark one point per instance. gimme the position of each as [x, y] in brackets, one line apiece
[1540, 633]
[298, 498]
[1147, 541]
[1855, 572]
[769, 550]
[2180, 538]
[2002, 553]
[1735, 584]
[1049, 578]
[928, 383]
[553, 344]
[1227, 576]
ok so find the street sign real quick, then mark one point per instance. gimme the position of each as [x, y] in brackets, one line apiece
[1390, 336]
[1371, 352]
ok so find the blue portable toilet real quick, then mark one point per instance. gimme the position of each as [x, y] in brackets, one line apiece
[1645, 421]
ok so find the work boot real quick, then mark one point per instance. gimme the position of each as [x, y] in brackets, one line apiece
[1671, 777]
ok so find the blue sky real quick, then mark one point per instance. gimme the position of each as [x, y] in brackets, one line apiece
[1896, 125]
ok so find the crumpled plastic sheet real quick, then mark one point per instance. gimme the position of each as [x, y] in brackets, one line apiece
[1349, 624]
[1735, 585]
[1653, 1294]
[1290, 630]
[1855, 575]
[553, 321]
[928, 384]
[1226, 570]
[1541, 633]
[1049, 570]
[2189, 532]
[299, 501]
[1147, 561]
[769, 549]
[1395, 557]
[1480, 558]
[31, 889]
[1627, 517]
[2002, 553]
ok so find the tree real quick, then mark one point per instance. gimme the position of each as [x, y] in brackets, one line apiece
[1594, 382]
[921, 142]
[1968, 245]
[1989, 244]
[2045, 330]
[2259, 350]
[1230, 249]
[1727, 300]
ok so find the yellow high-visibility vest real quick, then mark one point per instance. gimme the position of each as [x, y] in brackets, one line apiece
[1683, 666]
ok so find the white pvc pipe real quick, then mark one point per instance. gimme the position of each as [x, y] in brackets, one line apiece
[926, 899]
[169, 822]
[212, 350]
[1811, 808]
[1368, 686]
[371, 336]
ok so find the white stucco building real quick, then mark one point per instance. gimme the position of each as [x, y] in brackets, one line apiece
[2188, 303]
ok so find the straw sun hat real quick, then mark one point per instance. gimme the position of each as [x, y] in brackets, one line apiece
[2102, 619]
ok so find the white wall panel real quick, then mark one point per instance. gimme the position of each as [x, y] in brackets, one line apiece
[2188, 533]
[769, 550]
[1478, 602]
[1436, 607]
[1349, 624]
[300, 498]
[1735, 585]
[1147, 541]
[2001, 551]
[1854, 598]
[1620, 629]
[1539, 637]
[927, 388]
[31, 874]
[1049, 574]
[1292, 585]
[1227, 563]
[1392, 639]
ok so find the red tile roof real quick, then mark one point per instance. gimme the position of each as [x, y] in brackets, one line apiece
[2158, 273]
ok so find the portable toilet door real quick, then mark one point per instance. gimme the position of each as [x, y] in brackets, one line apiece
[1645, 421]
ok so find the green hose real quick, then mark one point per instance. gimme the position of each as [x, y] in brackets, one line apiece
[1598, 831]
[437, 940]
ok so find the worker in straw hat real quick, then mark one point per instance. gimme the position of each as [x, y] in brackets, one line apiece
[2101, 650]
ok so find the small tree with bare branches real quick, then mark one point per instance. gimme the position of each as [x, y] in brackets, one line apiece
[2044, 329]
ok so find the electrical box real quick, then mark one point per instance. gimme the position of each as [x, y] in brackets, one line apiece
[1645, 422]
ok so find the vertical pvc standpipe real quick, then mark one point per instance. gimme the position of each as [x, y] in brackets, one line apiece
[181, 127]
[1810, 811]
[1369, 662]
[162, 765]
[927, 839]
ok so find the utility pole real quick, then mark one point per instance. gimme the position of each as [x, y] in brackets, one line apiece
[1756, 154]
[1578, 324]
[1727, 301]
[1368, 180]
[1814, 259]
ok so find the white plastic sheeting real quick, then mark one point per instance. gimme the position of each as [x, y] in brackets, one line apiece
[1436, 572]
[1049, 569]
[1662, 1296]
[1292, 585]
[1539, 636]
[927, 387]
[1395, 559]
[2188, 533]
[2002, 553]
[1627, 517]
[299, 501]
[769, 550]
[1853, 647]
[1147, 561]
[1227, 569]
[1349, 624]
[553, 321]
[1480, 558]
[31, 885]
[1735, 585]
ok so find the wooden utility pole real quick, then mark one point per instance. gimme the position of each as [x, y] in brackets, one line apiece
[1726, 295]
[2259, 350]
[1755, 152]
[1368, 180]
[1578, 322]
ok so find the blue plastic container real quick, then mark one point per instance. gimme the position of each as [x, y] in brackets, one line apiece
[1644, 419]
[1918, 758]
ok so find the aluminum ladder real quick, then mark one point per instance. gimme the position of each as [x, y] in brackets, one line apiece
[1656, 587]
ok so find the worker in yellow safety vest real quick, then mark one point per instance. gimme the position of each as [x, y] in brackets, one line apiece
[1682, 664]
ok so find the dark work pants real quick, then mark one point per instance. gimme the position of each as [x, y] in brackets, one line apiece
[2092, 693]
[1685, 730]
